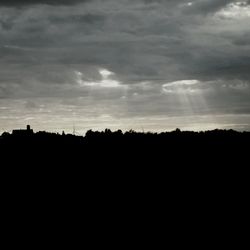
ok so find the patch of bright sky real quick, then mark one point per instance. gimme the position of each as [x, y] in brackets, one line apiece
[237, 10]
[105, 82]
[179, 86]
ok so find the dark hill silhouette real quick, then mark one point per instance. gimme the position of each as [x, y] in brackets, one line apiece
[171, 178]
[107, 146]
[179, 159]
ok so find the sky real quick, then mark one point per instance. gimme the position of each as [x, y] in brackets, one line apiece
[146, 65]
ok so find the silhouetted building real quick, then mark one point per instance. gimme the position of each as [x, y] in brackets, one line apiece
[23, 132]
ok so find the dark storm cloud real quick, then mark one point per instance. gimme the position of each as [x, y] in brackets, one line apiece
[33, 2]
[164, 42]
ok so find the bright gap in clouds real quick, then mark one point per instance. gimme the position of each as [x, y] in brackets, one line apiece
[105, 73]
[180, 86]
[237, 10]
[105, 82]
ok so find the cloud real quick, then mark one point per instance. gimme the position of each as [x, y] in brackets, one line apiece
[185, 86]
[106, 80]
[137, 54]
[14, 3]
[181, 83]
[130, 40]
[208, 6]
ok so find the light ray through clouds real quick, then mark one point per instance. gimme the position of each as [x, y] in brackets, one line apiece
[190, 101]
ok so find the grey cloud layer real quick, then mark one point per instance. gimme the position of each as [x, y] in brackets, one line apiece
[43, 46]
[14, 3]
[132, 39]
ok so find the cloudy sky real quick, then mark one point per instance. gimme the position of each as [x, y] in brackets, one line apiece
[130, 64]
